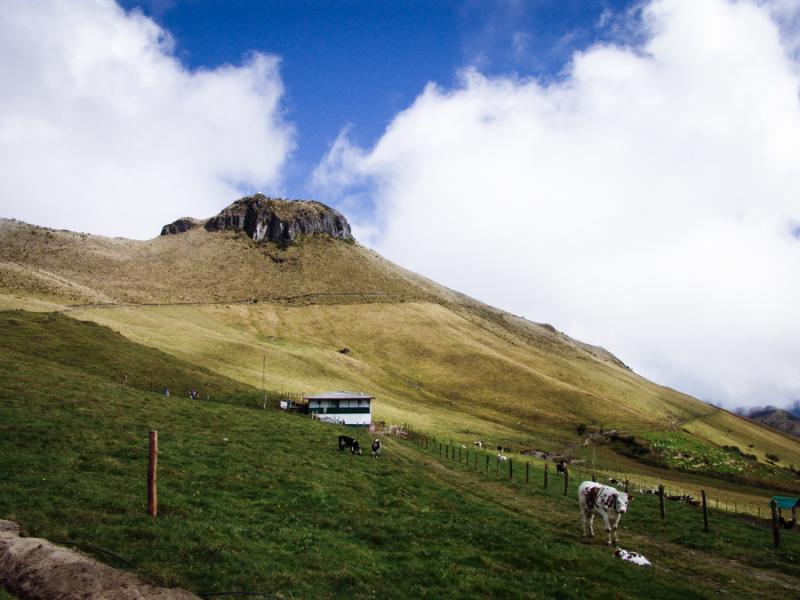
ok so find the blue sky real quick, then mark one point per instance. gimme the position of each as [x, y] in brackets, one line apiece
[358, 63]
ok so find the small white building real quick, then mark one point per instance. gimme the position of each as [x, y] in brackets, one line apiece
[347, 408]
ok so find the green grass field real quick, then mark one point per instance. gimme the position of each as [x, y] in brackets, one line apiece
[255, 500]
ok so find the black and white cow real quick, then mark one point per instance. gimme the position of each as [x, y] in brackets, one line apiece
[376, 448]
[606, 501]
[345, 441]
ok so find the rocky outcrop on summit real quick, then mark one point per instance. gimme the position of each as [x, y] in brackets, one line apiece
[273, 219]
[179, 226]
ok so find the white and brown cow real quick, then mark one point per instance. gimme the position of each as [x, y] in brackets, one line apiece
[606, 501]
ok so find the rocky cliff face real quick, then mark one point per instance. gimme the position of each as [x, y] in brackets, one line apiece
[272, 219]
[179, 226]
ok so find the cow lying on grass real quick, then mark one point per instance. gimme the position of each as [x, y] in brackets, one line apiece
[604, 500]
[345, 441]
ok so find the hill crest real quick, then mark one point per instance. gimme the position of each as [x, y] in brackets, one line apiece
[277, 220]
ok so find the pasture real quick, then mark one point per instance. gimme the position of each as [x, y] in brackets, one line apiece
[254, 500]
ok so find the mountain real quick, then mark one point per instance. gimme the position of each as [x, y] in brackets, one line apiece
[278, 291]
[777, 418]
[794, 409]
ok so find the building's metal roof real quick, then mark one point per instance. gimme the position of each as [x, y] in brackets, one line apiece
[786, 502]
[340, 396]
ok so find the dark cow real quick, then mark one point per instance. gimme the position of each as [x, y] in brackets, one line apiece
[345, 441]
[376, 448]
[561, 467]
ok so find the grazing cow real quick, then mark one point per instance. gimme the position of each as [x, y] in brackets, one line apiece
[605, 501]
[478, 444]
[502, 457]
[561, 467]
[345, 441]
[376, 448]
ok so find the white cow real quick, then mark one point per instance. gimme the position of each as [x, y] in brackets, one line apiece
[605, 501]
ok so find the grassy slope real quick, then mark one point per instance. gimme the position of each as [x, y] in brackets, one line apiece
[433, 357]
[195, 266]
[276, 507]
[430, 366]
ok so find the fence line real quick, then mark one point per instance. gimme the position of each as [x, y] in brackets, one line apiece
[645, 486]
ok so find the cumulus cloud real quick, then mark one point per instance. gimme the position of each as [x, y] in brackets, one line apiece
[103, 130]
[645, 201]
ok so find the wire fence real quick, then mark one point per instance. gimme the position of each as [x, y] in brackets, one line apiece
[544, 474]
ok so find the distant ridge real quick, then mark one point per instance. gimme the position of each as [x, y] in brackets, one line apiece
[271, 219]
[777, 418]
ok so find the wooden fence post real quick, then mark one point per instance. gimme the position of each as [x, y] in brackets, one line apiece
[152, 476]
[527, 472]
[545, 474]
[486, 470]
[498, 466]
[566, 481]
[705, 511]
[511, 468]
[661, 501]
[594, 477]
[626, 486]
[776, 529]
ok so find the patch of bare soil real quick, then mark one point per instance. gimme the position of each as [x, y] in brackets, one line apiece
[33, 568]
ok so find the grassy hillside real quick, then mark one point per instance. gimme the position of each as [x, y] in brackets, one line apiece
[430, 366]
[262, 501]
[195, 266]
[433, 358]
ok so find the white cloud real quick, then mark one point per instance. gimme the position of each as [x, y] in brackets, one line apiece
[644, 202]
[103, 130]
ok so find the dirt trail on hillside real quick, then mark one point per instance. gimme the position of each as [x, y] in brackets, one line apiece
[33, 568]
